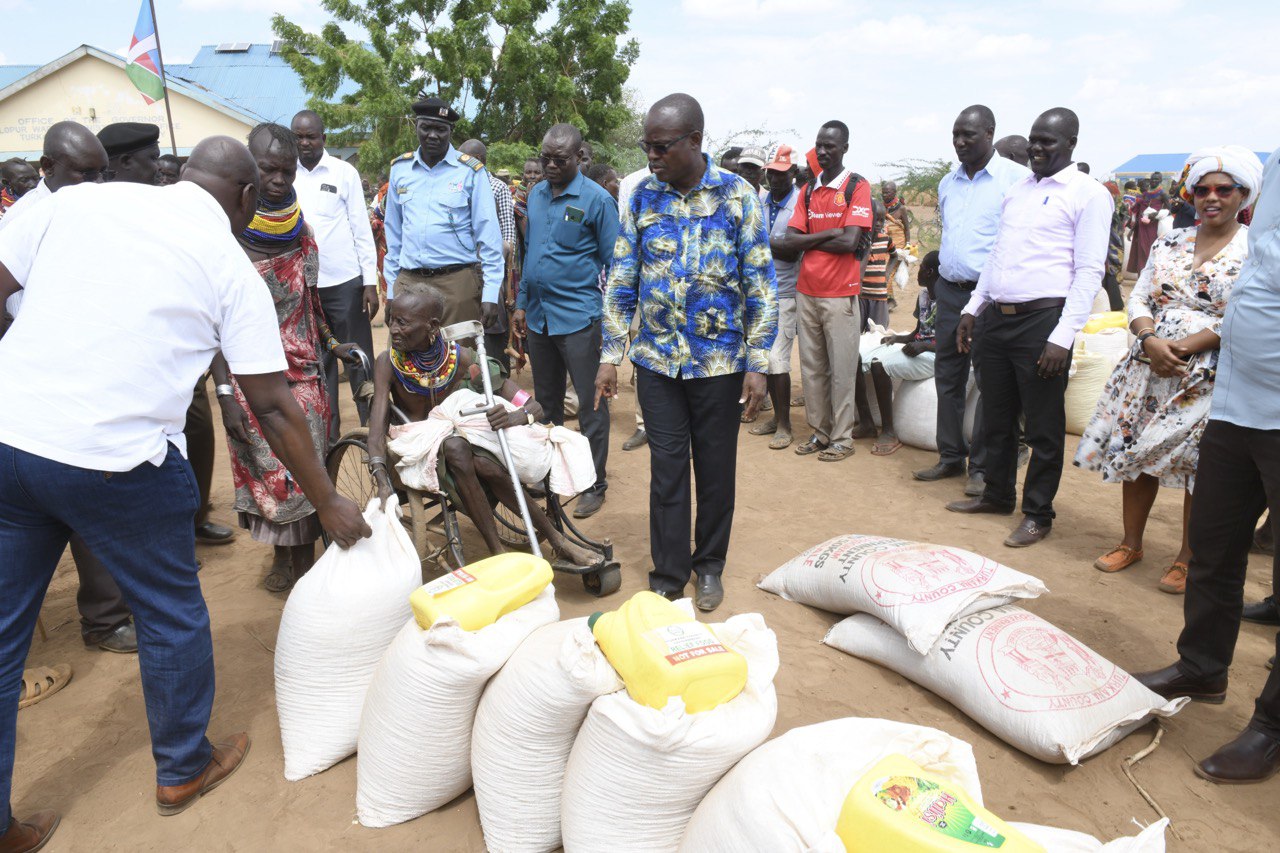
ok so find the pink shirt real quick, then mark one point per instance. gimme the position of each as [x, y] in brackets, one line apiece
[1052, 243]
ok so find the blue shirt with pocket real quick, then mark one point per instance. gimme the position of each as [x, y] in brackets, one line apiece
[570, 237]
[970, 209]
[442, 215]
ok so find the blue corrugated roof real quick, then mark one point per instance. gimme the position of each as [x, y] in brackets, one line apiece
[1170, 164]
[14, 73]
[256, 80]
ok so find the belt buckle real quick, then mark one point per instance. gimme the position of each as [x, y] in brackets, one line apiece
[1006, 308]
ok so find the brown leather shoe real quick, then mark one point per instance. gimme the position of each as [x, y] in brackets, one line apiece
[973, 506]
[1171, 684]
[227, 758]
[29, 835]
[1029, 532]
[1251, 757]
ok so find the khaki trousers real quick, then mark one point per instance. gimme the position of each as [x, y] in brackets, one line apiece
[461, 292]
[828, 335]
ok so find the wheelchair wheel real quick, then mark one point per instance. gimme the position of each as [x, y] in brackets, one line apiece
[606, 581]
[510, 525]
[348, 467]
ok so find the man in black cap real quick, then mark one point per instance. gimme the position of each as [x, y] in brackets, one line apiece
[133, 149]
[440, 217]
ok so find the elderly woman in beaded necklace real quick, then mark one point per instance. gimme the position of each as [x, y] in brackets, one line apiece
[420, 370]
[270, 504]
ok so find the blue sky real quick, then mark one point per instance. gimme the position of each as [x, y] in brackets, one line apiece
[1161, 76]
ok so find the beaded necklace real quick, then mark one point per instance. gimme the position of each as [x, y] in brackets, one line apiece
[427, 371]
[275, 224]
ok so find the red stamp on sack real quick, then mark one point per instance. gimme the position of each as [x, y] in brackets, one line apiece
[919, 573]
[1030, 665]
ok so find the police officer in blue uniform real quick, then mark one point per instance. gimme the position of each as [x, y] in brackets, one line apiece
[441, 218]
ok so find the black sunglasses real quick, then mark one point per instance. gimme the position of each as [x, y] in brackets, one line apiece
[661, 148]
[1224, 191]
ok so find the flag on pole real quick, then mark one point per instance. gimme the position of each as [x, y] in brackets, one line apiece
[143, 62]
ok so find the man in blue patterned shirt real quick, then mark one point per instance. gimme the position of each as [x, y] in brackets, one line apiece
[693, 258]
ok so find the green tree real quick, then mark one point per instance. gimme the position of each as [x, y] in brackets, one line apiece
[511, 68]
[918, 179]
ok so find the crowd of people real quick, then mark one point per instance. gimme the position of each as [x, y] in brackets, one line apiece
[272, 267]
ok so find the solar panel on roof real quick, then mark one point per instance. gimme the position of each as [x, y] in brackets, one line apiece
[233, 47]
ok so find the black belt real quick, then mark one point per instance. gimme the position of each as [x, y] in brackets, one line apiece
[963, 285]
[1033, 305]
[431, 272]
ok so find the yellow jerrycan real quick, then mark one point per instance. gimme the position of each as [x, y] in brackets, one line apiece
[482, 593]
[660, 651]
[1106, 320]
[899, 806]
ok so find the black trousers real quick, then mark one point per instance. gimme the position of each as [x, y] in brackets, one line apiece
[99, 600]
[579, 354]
[1237, 478]
[1011, 386]
[200, 444]
[951, 379]
[343, 306]
[681, 415]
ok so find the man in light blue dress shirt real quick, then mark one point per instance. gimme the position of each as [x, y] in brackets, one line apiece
[1237, 478]
[440, 217]
[969, 199]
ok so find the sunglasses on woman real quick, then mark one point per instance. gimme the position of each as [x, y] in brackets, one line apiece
[1223, 191]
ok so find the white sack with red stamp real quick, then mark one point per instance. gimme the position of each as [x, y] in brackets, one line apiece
[917, 588]
[1026, 681]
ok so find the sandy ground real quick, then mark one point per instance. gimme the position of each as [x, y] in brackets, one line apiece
[86, 751]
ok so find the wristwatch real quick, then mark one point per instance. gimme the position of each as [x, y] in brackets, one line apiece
[223, 391]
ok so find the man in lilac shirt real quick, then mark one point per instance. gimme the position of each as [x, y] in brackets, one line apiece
[1037, 287]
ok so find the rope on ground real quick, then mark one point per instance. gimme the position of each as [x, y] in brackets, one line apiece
[1129, 762]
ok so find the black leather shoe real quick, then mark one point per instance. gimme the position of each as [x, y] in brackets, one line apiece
[1251, 757]
[122, 641]
[589, 504]
[941, 471]
[669, 594]
[639, 438]
[708, 594]
[976, 506]
[1029, 532]
[1171, 684]
[976, 485]
[209, 533]
[1262, 612]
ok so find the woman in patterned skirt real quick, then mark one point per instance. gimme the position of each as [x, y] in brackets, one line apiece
[1146, 431]
[270, 504]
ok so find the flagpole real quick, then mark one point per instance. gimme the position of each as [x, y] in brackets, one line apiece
[168, 113]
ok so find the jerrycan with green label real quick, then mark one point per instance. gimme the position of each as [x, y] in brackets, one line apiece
[660, 651]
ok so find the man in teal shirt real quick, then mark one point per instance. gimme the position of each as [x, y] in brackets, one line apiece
[572, 228]
[440, 218]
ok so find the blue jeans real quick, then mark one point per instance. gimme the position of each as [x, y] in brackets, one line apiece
[140, 524]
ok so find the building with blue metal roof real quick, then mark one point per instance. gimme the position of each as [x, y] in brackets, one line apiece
[1169, 165]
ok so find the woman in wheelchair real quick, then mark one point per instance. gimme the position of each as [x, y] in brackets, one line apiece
[420, 370]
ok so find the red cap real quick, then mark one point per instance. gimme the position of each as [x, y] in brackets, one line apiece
[781, 159]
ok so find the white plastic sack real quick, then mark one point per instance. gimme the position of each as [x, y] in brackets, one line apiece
[786, 796]
[1023, 679]
[1089, 375]
[528, 719]
[415, 732]
[636, 774]
[339, 619]
[536, 450]
[916, 587]
[1110, 343]
[1150, 840]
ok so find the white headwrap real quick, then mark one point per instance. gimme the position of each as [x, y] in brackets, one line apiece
[1236, 160]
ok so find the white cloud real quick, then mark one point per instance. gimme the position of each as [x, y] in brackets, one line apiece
[1002, 47]
[729, 11]
[927, 123]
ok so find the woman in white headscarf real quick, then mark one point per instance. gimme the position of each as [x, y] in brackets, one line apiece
[1146, 431]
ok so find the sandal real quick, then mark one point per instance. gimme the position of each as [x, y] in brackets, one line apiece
[810, 446]
[42, 682]
[1119, 557]
[769, 427]
[781, 440]
[865, 431]
[836, 452]
[749, 420]
[767, 405]
[1174, 581]
[797, 402]
[881, 448]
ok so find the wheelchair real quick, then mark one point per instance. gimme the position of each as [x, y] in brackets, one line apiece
[432, 520]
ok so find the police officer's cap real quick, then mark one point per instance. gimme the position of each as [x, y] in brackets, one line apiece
[126, 137]
[434, 108]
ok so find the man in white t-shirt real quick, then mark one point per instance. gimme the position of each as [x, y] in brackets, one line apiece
[100, 452]
[331, 195]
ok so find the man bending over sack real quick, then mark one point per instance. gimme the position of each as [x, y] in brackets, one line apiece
[432, 381]
[908, 356]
